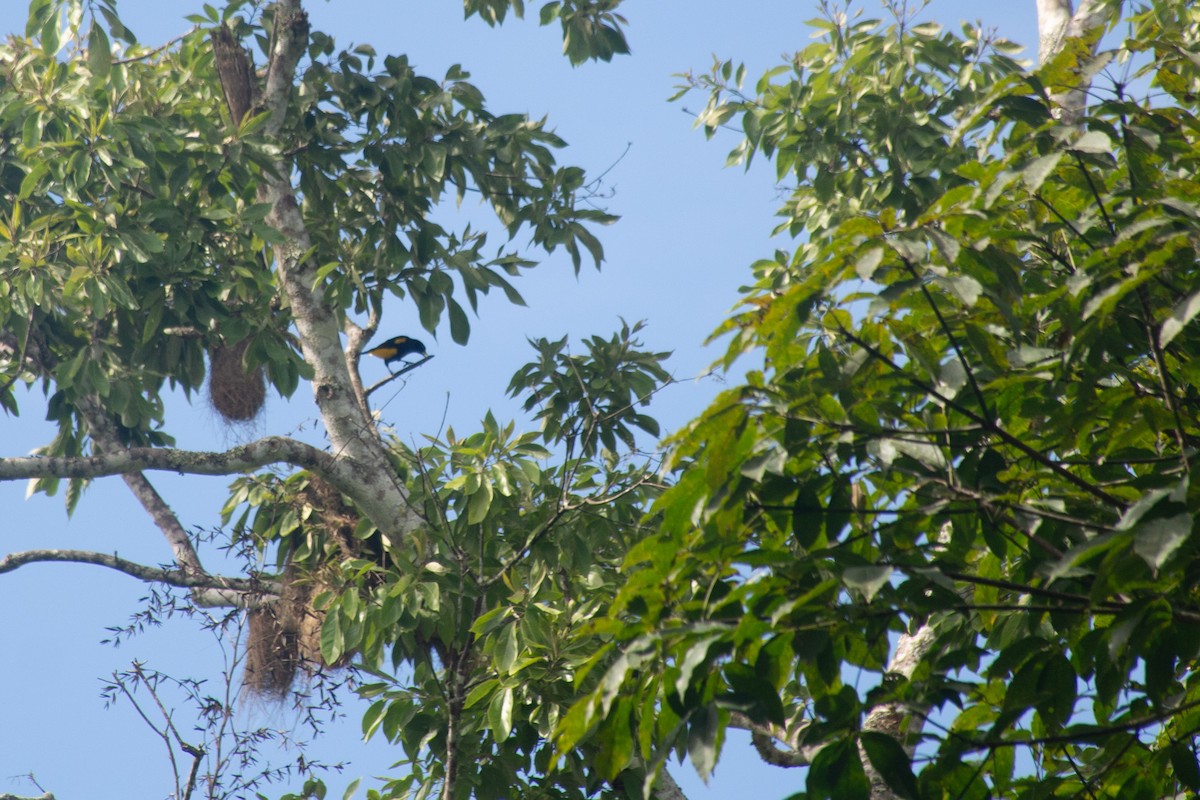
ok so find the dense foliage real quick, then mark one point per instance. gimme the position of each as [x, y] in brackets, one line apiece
[250, 188]
[937, 541]
[970, 437]
[133, 237]
[473, 635]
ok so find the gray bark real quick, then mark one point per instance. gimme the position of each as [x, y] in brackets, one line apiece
[1058, 22]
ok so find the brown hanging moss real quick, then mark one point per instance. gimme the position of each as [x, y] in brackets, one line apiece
[272, 656]
[284, 640]
[237, 393]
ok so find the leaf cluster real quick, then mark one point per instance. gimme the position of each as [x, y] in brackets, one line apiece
[133, 239]
[975, 424]
[476, 630]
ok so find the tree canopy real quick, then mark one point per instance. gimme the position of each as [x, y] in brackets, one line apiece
[236, 208]
[935, 540]
[941, 544]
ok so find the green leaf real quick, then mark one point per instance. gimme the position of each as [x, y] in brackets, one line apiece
[333, 642]
[1039, 169]
[500, 714]
[1183, 313]
[1057, 687]
[615, 739]
[946, 244]
[479, 504]
[1092, 142]
[1183, 761]
[30, 182]
[702, 741]
[99, 55]
[868, 263]
[509, 649]
[1158, 539]
[891, 762]
[460, 327]
[868, 580]
[964, 287]
[373, 718]
[837, 772]
[910, 249]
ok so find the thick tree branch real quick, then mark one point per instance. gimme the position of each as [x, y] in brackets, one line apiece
[104, 435]
[260, 453]
[169, 576]
[766, 740]
[892, 718]
[105, 438]
[103, 432]
[154, 504]
[1056, 24]
[373, 484]
[210, 591]
[665, 788]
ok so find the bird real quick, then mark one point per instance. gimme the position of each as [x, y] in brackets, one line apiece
[396, 348]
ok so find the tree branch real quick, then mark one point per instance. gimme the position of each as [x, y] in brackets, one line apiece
[765, 737]
[665, 788]
[377, 492]
[260, 453]
[890, 718]
[385, 381]
[169, 576]
[105, 439]
[154, 504]
[1057, 24]
[988, 425]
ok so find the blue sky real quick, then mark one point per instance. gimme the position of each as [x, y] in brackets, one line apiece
[689, 229]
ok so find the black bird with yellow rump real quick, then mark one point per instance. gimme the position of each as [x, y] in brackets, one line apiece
[398, 348]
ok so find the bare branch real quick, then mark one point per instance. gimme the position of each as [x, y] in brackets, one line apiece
[105, 438]
[197, 754]
[181, 544]
[766, 739]
[169, 576]
[149, 54]
[385, 381]
[103, 431]
[243, 458]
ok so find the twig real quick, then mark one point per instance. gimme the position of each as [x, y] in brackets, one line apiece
[988, 425]
[157, 50]
[409, 367]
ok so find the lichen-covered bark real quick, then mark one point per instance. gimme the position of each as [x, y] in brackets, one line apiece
[354, 442]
